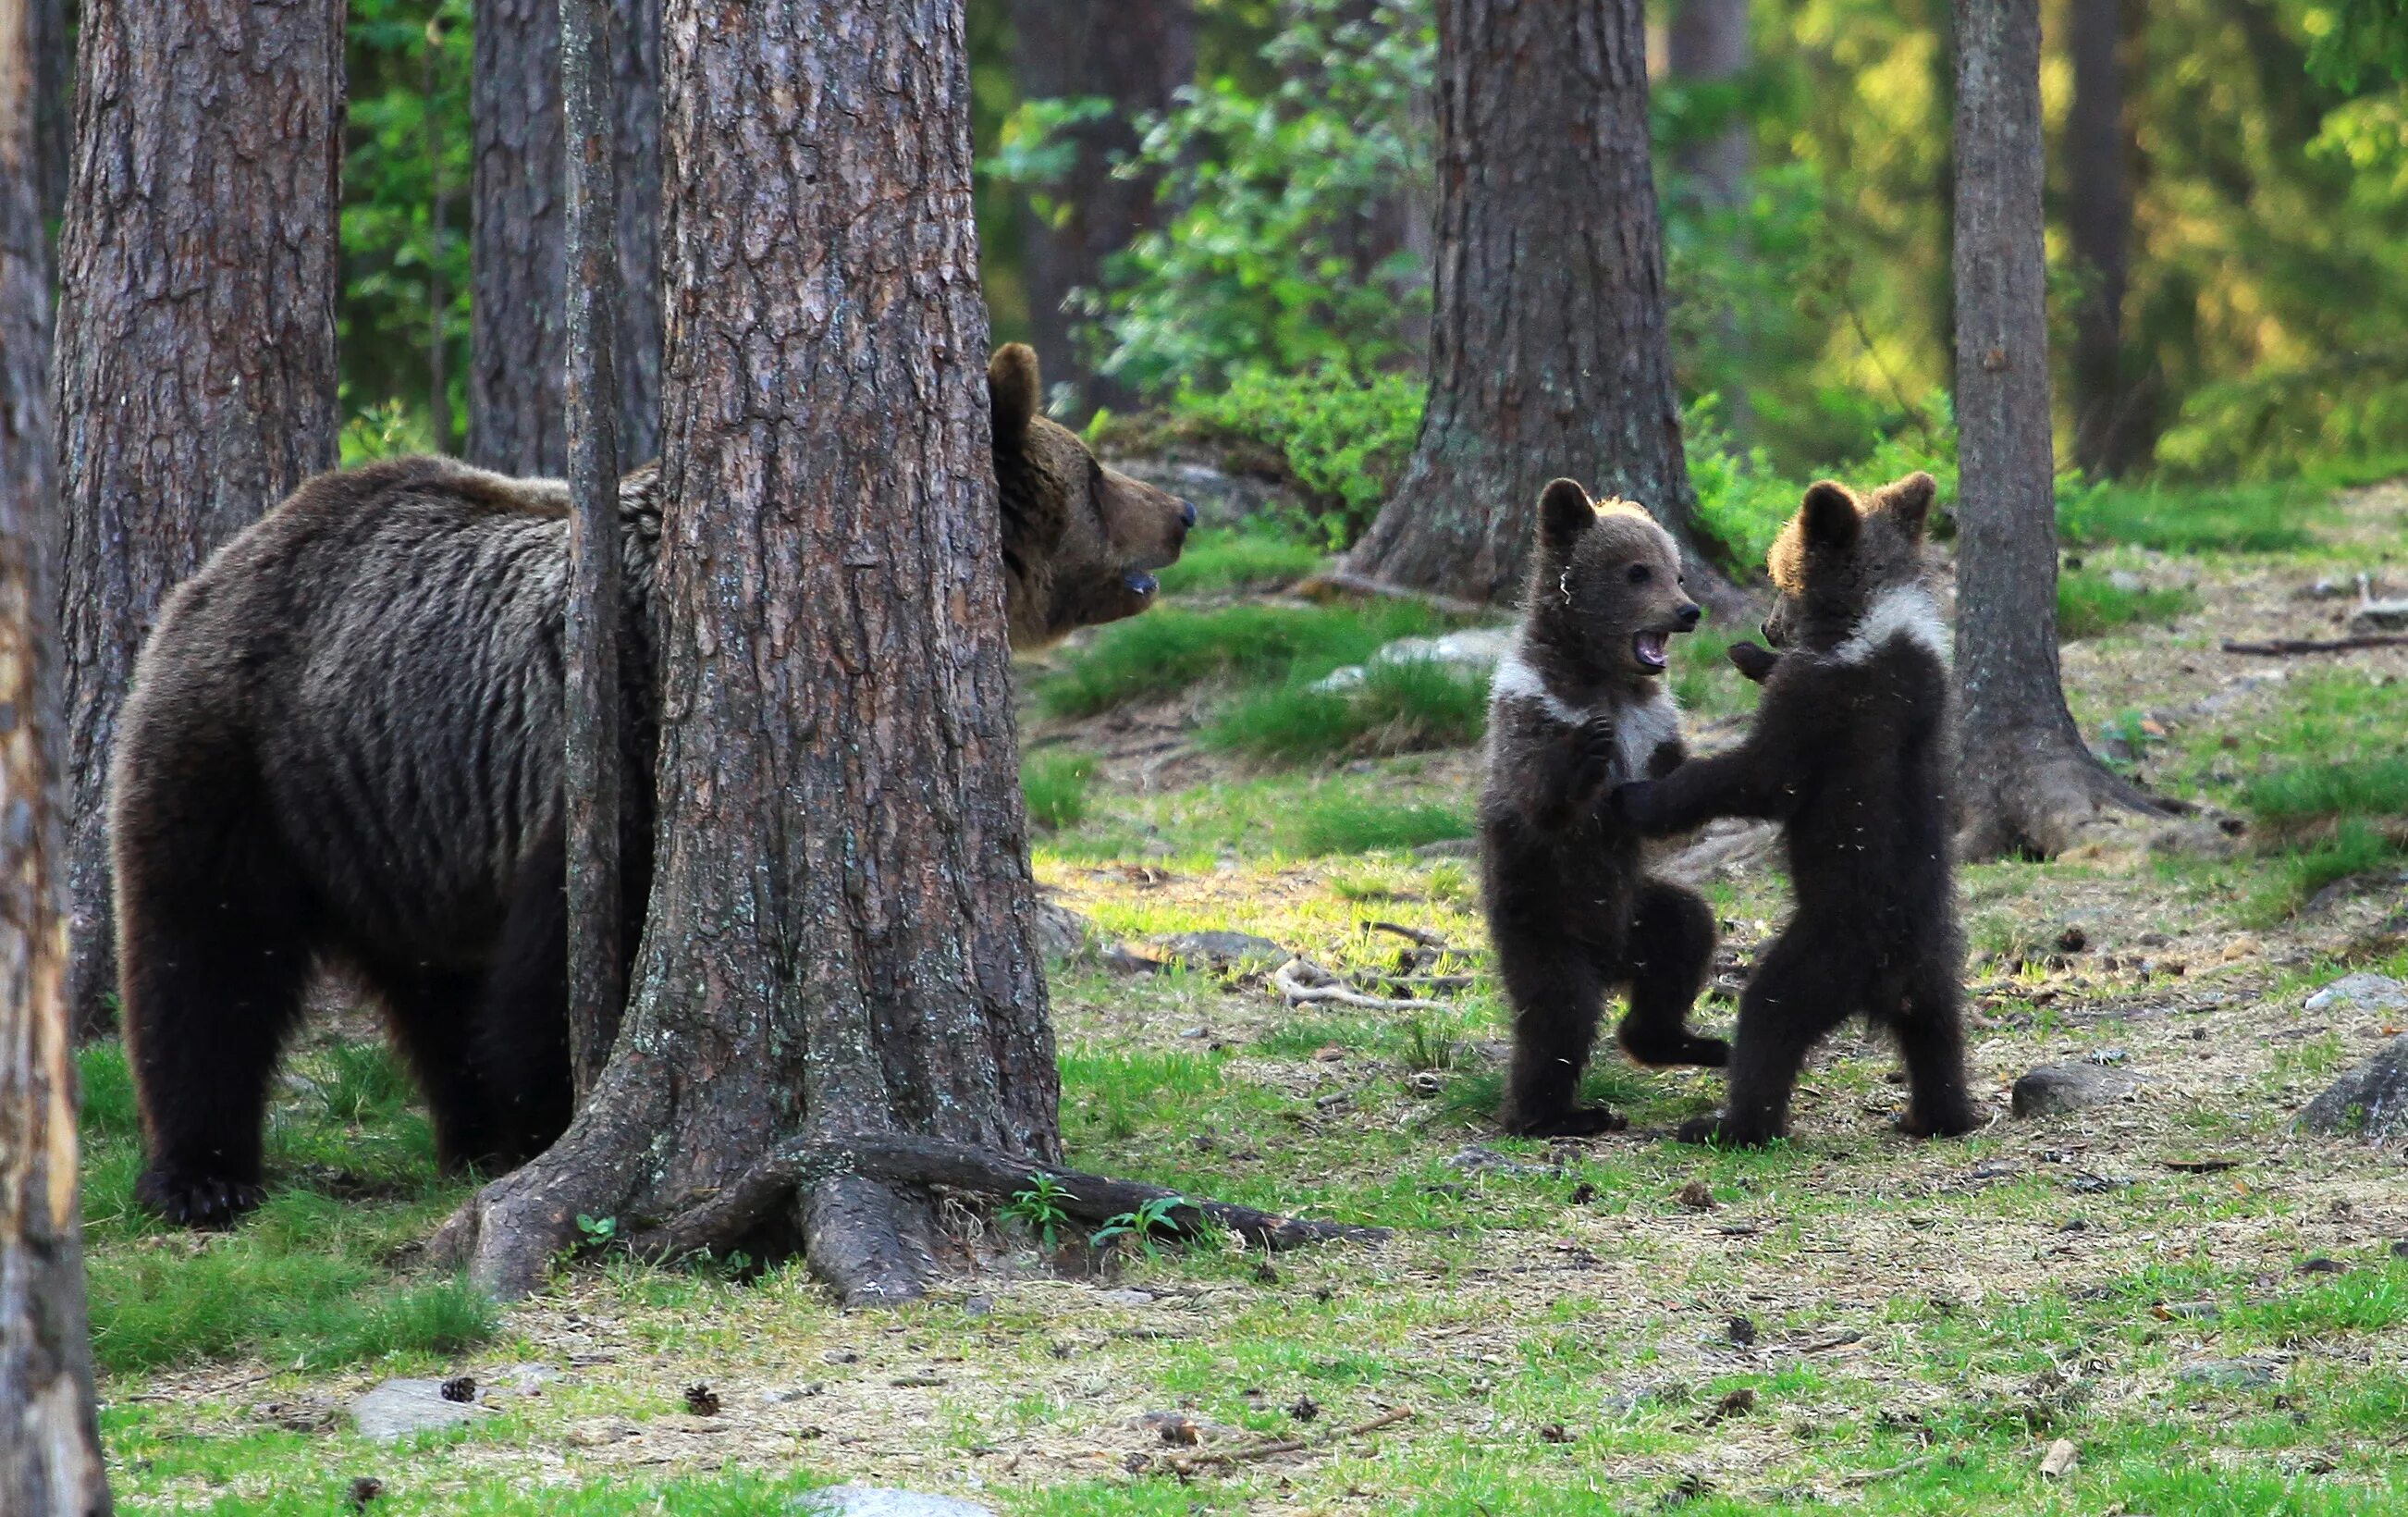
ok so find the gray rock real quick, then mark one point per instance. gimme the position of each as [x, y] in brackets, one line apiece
[1473, 651]
[2055, 1089]
[1124, 1298]
[1223, 950]
[2124, 579]
[1061, 933]
[2360, 992]
[2379, 616]
[1221, 499]
[2368, 1102]
[396, 1409]
[2231, 1374]
[882, 1501]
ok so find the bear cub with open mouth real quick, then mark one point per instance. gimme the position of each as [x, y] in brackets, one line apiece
[1851, 753]
[1578, 706]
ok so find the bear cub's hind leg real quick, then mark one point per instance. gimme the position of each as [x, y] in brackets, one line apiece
[1670, 953]
[1556, 993]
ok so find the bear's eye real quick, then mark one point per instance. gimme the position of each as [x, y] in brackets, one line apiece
[1637, 573]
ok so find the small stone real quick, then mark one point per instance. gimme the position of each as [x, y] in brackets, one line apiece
[1060, 932]
[2369, 1102]
[2055, 1089]
[599, 1432]
[2061, 1459]
[882, 1501]
[2230, 1374]
[2125, 580]
[1195, 1035]
[839, 1356]
[2103, 1057]
[2360, 992]
[781, 1394]
[1124, 1298]
[398, 1408]
[518, 1380]
[1222, 952]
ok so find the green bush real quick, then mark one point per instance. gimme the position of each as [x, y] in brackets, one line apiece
[1345, 436]
[1744, 499]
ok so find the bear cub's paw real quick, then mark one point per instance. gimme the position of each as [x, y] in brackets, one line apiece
[1753, 662]
[1681, 1048]
[1632, 805]
[208, 1202]
[1714, 1132]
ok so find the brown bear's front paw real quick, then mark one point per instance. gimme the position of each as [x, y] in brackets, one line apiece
[1572, 1122]
[209, 1202]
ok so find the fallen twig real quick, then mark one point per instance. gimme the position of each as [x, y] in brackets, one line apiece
[2290, 648]
[1190, 1464]
[1302, 982]
[1422, 937]
[1871, 1476]
[1435, 982]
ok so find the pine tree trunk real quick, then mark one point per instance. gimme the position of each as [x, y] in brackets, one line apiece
[2027, 781]
[1133, 55]
[518, 352]
[1707, 44]
[50, 1441]
[2099, 150]
[591, 704]
[195, 341]
[1548, 352]
[838, 939]
[53, 107]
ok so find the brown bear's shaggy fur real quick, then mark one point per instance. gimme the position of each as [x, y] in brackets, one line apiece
[1851, 752]
[344, 742]
[1578, 705]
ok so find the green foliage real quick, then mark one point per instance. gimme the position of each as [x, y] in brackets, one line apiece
[2317, 792]
[2246, 518]
[1346, 436]
[1151, 1219]
[2350, 39]
[2092, 606]
[1053, 785]
[1743, 498]
[1220, 561]
[1170, 649]
[1039, 1209]
[1400, 707]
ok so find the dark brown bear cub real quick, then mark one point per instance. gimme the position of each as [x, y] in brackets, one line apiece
[344, 742]
[1578, 705]
[1850, 751]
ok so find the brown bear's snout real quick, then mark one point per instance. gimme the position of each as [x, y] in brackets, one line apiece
[1690, 614]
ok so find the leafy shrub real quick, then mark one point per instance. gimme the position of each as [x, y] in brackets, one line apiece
[1743, 498]
[1346, 436]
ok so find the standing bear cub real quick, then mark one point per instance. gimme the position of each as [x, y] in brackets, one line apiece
[344, 742]
[1851, 752]
[1578, 705]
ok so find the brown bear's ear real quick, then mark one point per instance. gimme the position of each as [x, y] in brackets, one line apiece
[1829, 516]
[1013, 388]
[1565, 511]
[1909, 502]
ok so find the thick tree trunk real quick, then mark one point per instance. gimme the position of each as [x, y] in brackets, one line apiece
[517, 320]
[50, 1441]
[195, 341]
[838, 940]
[2099, 153]
[590, 707]
[1133, 55]
[635, 102]
[2028, 782]
[1548, 352]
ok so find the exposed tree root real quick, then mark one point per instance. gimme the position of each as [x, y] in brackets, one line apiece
[2041, 796]
[811, 1167]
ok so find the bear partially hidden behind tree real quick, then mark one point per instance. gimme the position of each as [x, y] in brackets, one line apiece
[344, 742]
[1578, 706]
[1851, 752]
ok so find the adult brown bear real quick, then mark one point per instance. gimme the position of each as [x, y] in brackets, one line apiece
[344, 742]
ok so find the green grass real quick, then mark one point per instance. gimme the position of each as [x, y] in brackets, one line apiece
[1221, 561]
[2239, 518]
[1170, 649]
[1400, 707]
[1055, 787]
[2090, 605]
[1353, 823]
[2315, 793]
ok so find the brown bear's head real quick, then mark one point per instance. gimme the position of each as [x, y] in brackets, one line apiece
[1079, 541]
[1837, 557]
[1605, 589]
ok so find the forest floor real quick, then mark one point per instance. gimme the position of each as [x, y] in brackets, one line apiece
[2210, 1308]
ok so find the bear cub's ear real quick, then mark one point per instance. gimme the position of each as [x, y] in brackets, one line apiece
[1012, 390]
[1829, 516]
[1565, 511]
[1908, 502]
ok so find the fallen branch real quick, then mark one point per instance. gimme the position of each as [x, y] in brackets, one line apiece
[735, 1210]
[2292, 647]
[1345, 580]
[1420, 936]
[1302, 982]
[1434, 982]
[1190, 1464]
[1871, 1476]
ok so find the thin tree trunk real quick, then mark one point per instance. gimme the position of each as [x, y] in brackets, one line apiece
[518, 357]
[2099, 149]
[1133, 55]
[590, 708]
[438, 297]
[49, 1439]
[839, 937]
[2028, 782]
[636, 100]
[196, 375]
[53, 107]
[1548, 352]
[1708, 44]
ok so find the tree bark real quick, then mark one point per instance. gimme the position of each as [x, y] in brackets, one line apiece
[2026, 780]
[1548, 352]
[50, 1438]
[518, 357]
[197, 374]
[53, 107]
[1708, 42]
[2099, 149]
[591, 705]
[1133, 55]
[838, 941]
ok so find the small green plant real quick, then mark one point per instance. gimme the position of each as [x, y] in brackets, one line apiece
[1339, 822]
[598, 1232]
[1427, 1049]
[388, 430]
[1401, 706]
[1054, 787]
[1151, 1217]
[1039, 1209]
